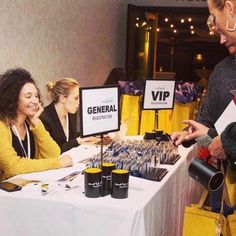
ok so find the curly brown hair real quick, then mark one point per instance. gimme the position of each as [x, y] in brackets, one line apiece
[11, 83]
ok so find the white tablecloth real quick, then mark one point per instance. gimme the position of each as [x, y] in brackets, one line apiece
[152, 208]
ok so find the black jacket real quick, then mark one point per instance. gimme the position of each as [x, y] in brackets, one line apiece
[53, 125]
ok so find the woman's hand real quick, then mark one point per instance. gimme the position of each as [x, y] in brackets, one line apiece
[195, 129]
[65, 161]
[107, 139]
[34, 120]
[87, 140]
[179, 137]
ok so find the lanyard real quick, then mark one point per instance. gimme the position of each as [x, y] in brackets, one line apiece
[27, 155]
[67, 128]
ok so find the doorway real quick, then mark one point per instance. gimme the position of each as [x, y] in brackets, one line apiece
[171, 41]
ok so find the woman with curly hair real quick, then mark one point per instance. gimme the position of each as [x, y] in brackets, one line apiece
[25, 145]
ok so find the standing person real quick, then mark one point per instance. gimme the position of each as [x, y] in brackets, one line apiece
[60, 116]
[25, 145]
[221, 82]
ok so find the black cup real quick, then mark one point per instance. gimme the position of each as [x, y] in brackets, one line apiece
[92, 182]
[106, 177]
[206, 174]
[150, 136]
[120, 183]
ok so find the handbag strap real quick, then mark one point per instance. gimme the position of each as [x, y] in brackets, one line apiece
[203, 198]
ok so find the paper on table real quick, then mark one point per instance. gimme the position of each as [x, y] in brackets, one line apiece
[120, 135]
[227, 117]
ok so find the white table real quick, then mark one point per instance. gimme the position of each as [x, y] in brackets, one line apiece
[152, 208]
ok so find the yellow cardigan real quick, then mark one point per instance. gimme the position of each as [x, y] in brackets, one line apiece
[46, 153]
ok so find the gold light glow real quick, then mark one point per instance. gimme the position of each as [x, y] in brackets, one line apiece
[199, 57]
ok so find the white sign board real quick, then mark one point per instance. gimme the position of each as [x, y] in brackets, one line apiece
[99, 110]
[158, 94]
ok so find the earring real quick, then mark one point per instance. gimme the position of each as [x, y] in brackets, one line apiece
[230, 29]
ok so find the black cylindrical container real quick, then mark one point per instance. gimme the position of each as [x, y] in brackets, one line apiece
[106, 177]
[150, 135]
[120, 183]
[206, 174]
[92, 182]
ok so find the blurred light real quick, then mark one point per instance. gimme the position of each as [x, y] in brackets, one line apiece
[191, 27]
[137, 25]
[175, 31]
[171, 26]
[137, 18]
[189, 19]
[199, 57]
[211, 33]
[182, 20]
[158, 29]
[144, 23]
[166, 19]
[192, 32]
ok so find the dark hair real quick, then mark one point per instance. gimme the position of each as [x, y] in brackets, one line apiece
[11, 83]
[116, 74]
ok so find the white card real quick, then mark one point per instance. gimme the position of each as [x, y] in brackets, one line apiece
[227, 117]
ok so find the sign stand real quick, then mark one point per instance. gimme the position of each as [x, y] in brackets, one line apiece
[101, 150]
[99, 112]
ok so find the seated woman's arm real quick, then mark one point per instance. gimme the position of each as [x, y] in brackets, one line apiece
[11, 164]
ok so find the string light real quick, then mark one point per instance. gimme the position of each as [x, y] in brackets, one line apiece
[171, 26]
[166, 19]
[144, 23]
[189, 19]
[182, 20]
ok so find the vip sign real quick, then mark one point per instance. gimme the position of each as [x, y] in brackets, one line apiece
[158, 94]
[99, 110]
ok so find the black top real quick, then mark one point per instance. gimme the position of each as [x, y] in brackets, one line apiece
[53, 125]
[18, 148]
[221, 82]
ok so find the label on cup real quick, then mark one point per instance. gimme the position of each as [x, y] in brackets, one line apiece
[92, 182]
[106, 177]
[120, 183]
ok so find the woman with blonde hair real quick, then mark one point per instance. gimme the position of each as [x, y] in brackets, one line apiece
[60, 116]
